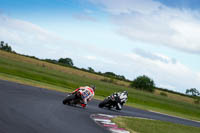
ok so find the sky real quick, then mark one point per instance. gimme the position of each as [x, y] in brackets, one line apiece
[157, 38]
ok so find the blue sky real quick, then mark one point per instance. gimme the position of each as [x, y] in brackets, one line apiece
[158, 38]
[182, 4]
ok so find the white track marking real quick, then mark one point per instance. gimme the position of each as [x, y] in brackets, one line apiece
[109, 123]
[105, 121]
[102, 120]
[118, 131]
[110, 116]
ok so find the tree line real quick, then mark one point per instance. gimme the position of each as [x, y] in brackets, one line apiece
[69, 62]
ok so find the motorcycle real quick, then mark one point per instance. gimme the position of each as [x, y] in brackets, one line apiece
[116, 100]
[73, 99]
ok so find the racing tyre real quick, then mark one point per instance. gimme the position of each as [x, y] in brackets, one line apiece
[103, 103]
[68, 99]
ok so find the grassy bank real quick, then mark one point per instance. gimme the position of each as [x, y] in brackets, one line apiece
[42, 74]
[137, 125]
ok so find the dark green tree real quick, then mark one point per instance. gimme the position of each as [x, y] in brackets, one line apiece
[121, 77]
[2, 44]
[66, 61]
[111, 74]
[143, 83]
[91, 69]
[8, 48]
[193, 92]
[5, 47]
[51, 61]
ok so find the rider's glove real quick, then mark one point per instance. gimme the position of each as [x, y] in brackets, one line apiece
[83, 105]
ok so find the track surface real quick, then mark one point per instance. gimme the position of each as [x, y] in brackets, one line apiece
[26, 109]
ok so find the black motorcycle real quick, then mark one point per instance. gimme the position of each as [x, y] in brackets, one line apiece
[116, 100]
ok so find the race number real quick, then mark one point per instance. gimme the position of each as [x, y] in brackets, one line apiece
[85, 94]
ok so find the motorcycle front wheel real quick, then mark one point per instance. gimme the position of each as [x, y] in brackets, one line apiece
[103, 103]
[68, 99]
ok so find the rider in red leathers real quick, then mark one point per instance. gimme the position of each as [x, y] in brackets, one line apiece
[87, 93]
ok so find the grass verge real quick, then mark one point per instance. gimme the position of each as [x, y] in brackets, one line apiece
[138, 125]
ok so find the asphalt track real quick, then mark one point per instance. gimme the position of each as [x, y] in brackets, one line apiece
[26, 109]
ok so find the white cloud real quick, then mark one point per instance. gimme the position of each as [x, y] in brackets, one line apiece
[31, 39]
[100, 59]
[154, 56]
[23, 34]
[127, 6]
[89, 57]
[85, 17]
[154, 23]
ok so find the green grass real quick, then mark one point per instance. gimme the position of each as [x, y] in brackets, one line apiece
[152, 126]
[41, 75]
[30, 82]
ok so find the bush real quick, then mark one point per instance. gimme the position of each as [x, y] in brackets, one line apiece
[66, 61]
[163, 94]
[108, 80]
[143, 83]
[197, 101]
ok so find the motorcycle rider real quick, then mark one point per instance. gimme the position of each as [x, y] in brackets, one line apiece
[123, 97]
[86, 93]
